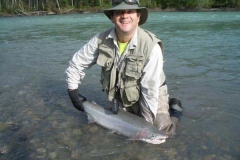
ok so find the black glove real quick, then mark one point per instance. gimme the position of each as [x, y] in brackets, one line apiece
[76, 99]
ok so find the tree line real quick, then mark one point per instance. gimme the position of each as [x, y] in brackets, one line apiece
[11, 6]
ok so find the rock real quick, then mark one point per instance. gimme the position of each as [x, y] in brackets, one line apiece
[75, 154]
[51, 13]
[41, 150]
[3, 126]
[210, 157]
[77, 132]
[4, 149]
[171, 154]
[52, 155]
[93, 129]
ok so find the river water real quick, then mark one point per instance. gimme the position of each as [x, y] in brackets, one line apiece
[38, 121]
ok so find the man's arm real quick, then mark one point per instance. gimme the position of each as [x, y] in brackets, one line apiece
[81, 60]
[84, 58]
[150, 83]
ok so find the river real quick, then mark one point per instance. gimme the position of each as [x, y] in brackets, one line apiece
[38, 121]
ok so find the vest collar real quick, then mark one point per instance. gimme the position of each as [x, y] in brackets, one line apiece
[113, 35]
[132, 43]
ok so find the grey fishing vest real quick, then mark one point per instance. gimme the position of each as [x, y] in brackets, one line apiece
[131, 71]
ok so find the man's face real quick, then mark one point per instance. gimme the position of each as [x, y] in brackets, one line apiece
[126, 21]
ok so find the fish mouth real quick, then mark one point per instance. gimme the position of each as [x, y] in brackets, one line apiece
[156, 140]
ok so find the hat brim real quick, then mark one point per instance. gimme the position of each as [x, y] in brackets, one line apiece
[124, 6]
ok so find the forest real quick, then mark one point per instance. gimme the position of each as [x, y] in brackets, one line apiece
[67, 6]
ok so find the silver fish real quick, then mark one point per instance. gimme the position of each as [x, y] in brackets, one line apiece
[125, 123]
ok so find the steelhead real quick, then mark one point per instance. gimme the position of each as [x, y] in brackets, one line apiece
[125, 123]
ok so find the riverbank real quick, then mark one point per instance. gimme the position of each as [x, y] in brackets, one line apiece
[96, 10]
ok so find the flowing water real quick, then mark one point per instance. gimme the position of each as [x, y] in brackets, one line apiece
[38, 121]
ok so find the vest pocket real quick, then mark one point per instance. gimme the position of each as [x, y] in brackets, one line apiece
[105, 62]
[131, 95]
[134, 66]
[105, 83]
[105, 58]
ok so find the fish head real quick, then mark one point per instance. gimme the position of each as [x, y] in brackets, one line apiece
[152, 137]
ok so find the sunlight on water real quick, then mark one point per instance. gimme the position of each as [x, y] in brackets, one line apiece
[38, 121]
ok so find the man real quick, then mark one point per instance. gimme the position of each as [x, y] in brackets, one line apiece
[132, 66]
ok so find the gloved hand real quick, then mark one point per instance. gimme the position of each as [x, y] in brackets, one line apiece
[76, 99]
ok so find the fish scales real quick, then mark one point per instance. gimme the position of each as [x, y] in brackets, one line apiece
[124, 123]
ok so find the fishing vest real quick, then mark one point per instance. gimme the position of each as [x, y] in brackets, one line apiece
[129, 75]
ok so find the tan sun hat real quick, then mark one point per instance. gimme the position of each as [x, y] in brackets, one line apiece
[126, 5]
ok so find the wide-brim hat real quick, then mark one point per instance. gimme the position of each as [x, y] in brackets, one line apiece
[125, 6]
